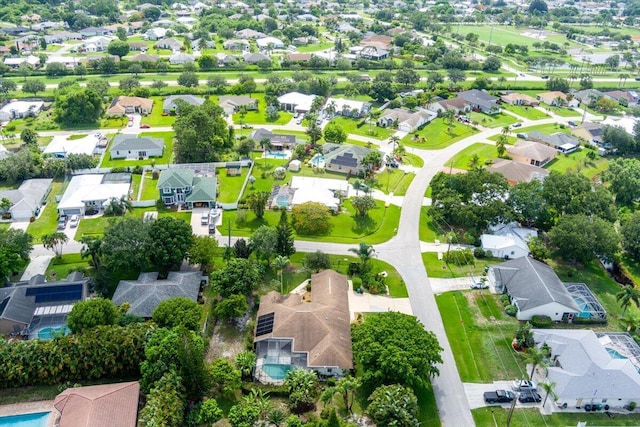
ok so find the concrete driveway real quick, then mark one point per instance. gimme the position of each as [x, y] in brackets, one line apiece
[19, 225]
[367, 303]
[196, 225]
[475, 392]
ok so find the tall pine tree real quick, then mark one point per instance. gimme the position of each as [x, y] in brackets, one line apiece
[285, 243]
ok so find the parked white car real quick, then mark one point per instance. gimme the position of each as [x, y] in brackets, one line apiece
[523, 385]
[73, 222]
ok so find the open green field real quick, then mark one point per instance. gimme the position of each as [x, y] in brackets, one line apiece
[379, 226]
[350, 126]
[492, 120]
[47, 222]
[436, 135]
[442, 270]
[166, 158]
[462, 160]
[156, 118]
[579, 162]
[503, 35]
[314, 47]
[532, 417]
[526, 112]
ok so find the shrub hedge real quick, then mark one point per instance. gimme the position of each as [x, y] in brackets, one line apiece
[541, 321]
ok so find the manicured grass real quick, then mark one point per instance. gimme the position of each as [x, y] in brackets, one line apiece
[463, 158]
[263, 173]
[548, 128]
[393, 181]
[480, 336]
[230, 186]
[412, 160]
[136, 180]
[532, 417]
[526, 112]
[96, 226]
[60, 267]
[440, 269]
[579, 162]
[378, 227]
[492, 120]
[314, 47]
[149, 190]
[395, 284]
[258, 117]
[361, 127]
[510, 139]
[564, 112]
[156, 118]
[429, 230]
[437, 135]
[48, 220]
[77, 136]
[166, 158]
[403, 185]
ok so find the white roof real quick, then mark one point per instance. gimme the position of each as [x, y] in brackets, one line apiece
[33, 60]
[159, 32]
[53, 309]
[319, 190]
[61, 145]
[301, 101]
[506, 236]
[86, 188]
[264, 42]
[22, 107]
[626, 122]
[63, 60]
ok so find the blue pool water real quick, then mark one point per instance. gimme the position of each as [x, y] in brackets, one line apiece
[317, 160]
[49, 332]
[276, 155]
[282, 200]
[276, 372]
[586, 311]
[39, 419]
[613, 353]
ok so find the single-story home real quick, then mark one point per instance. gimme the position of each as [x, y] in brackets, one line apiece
[296, 57]
[178, 186]
[407, 121]
[591, 368]
[531, 153]
[314, 335]
[534, 289]
[458, 105]
[558, 99]
[347, 107]
[169, 105]
[254, 58]
[170, 44]
[236, 44]
[371, 52]
[296, 102]
[344, 158]
[155, 34]
[480, 101]
[326, 191]
[27, 200]
[181, 59]
[232, 103]
[105, 405]
[508, 241]
[39, 301]
[146, 293]
[269, 43]
[590, 132]
[589, 96]
[93, 191]
[144, 57]
[516, 172]
[20, 110]
[96, 44]
[61, 146]
[279, 142]
[519, 99]
[562, 142]
[32, 61]
[132, 147]
[248, 33]
[122, 105]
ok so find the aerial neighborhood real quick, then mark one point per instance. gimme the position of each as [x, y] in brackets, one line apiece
[340, 214]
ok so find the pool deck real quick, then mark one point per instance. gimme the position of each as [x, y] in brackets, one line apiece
[30, 408]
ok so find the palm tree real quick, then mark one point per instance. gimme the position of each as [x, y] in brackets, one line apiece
[364, 252]
[474, 162]
[372, 116]
[276, 417]
[395, 141]
[265, 144]
[623, 78]
[118, 206]
[280, 263]
[92, 248]
[259, 399]
[626, 296]
[449, 116]
[548, 387]
[506, 130]
[501, 145]
[631, 320]
[245, 361]
[536, 358]
[55, 241]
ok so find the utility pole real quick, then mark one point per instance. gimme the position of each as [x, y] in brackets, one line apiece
[229, 228]
[513, 405]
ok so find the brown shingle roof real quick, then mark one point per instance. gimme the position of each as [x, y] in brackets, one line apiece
[108, 405]
[321, 328]
[516, 172]
[532, 150]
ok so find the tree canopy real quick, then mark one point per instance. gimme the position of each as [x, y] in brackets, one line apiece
[91, 313]
[77, 105]
[240, 276]
[15, 247]
[201, 134]
[178, 311]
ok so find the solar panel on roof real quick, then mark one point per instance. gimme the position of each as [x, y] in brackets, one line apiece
[265, 324]
[56, 293]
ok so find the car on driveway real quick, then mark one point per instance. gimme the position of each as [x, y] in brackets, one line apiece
[516, 125]
[523, 385]
[144, 126]
[73, 222]
[529, 397]
[204, 219]
[499, 396]
[479, 284]
[62, 222]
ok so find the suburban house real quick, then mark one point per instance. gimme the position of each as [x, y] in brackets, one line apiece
[405, 120]
[344, 158]
[181, 59]
[589, 131]
[169, 105]
[31, 61]
[248, 33]
[170, 44]
[147, 292]
[508, 241]
[122, 105]
[516, 172]
[105, 405]
[269, 43]
[61, 146]
[30, 305]
[315, 335]
[296, 57]
[458, 105]
[347, 107]
[254, 58]
[91, 192]
[236, 44]
[625, 98]
[20, 110]
[481, 101]
[94, 31]
[144, 57]
[27, 200]
[531, 153]
[96, 44]
[132, 147]
[181, 186]
[589, 96]
[279, 142]
[590, 367]
[232, 103]
[296, 102]
[519, 99]
[154, 34]
[562, 142]
[558, 99]
[329, 192]
[534, 289]
[371, 52]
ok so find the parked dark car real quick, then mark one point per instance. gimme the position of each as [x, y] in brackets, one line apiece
[544, 77]
[499, 396]
[529, 397]
[62, 222]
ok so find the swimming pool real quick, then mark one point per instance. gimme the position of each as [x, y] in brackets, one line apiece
[38, 419]
[51, 331]
[275, 371]
[615, 354]
[582, 304]
[282, 200]
[276, 155]
[318, 160]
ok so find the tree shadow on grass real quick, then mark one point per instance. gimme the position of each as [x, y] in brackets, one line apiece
[364, 225]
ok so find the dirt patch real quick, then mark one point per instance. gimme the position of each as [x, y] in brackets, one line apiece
[226, 342]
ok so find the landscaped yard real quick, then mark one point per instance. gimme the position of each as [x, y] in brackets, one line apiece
[60, 267]
[258, 117]
[47, 222]
[492, 120]
[378, 227]
[548, 128]
[436, 135]
[440, 269]
[564, 112]
[510, 139]
[362, 127]
[156, 118]
[462, 160]
[526, 112]
[412, 160]
[96, 226]
[579, 162]
[230, 186]
[429, 230]
[166, 158]
[532, 417]
[149, 190]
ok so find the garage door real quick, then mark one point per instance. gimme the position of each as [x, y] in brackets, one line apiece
[70, 212]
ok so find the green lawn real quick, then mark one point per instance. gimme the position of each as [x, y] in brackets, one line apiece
[136, 180]
[378, 227]
[463, 158]
[492, 120]
[230, 186]
[532, 417]
[96, 226]
[480, 335]
[439, 269]
[362, 128]
[166, 158]
[59, 268]
[393, 181]
[429, 230]
[149, 190]
[548, 128]
[259, 117]
[76, 136]
[579, 162]
[48, 220]
[412, 160]
[314, 47]
[526, 112]
[156, 118]
[564, 112]
[436, 135]
[510, 139]
[397, 288]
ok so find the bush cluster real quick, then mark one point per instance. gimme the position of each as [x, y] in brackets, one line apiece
[541, 321]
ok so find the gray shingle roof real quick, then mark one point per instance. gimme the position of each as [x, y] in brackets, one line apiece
[175, 178]
[170, 101]
[130, 142]
[557, 139]
[344, 154]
